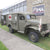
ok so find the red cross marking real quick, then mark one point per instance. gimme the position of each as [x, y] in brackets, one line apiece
[9, 17]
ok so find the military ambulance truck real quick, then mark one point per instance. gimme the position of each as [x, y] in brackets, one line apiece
[28, 24]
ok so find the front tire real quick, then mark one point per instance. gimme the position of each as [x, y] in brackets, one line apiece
[33, 36]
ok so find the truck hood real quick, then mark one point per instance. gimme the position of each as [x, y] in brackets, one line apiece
[33, 22]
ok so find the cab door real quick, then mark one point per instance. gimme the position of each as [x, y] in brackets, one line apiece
[21, 22]
[14, 22]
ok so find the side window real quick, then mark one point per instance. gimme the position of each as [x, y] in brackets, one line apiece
[15, 18]
[21, 17]
[2, 17]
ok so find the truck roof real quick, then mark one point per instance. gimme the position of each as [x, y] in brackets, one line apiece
[19, 13]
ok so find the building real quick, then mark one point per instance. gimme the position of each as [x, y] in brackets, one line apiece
[41, 8]
[20, 7]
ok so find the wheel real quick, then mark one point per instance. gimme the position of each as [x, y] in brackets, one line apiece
[11, 30]
[33, 36]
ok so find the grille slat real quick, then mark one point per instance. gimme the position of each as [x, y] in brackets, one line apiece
[44, 27]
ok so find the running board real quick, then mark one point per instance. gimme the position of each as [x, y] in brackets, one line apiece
[21, 31]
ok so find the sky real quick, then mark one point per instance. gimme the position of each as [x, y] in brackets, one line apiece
[7, 3]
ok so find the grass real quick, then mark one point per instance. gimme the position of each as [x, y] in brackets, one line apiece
[2, 47]
[43, 42]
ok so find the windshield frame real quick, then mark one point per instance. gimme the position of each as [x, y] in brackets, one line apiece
[30, 16]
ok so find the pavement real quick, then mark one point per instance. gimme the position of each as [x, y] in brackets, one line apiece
[13, 42]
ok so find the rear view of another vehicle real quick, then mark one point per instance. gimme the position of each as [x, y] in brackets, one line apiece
[3, 20]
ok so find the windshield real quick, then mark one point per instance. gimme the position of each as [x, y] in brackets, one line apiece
[30, 17]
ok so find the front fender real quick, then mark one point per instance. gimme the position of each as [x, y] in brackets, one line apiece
[35, 28]
[28, 25]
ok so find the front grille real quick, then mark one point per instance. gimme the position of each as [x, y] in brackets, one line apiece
[44, 27]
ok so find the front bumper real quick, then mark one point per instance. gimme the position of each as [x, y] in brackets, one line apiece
[43, 33]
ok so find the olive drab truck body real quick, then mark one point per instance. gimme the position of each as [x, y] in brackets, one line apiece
[27, 23]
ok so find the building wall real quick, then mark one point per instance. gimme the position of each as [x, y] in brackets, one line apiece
[46, 16]
[46, 4]
[30, 6]
[47, 12]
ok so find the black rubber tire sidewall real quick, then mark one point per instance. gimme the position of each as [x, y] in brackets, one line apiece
[11, 31]
[36, 36]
